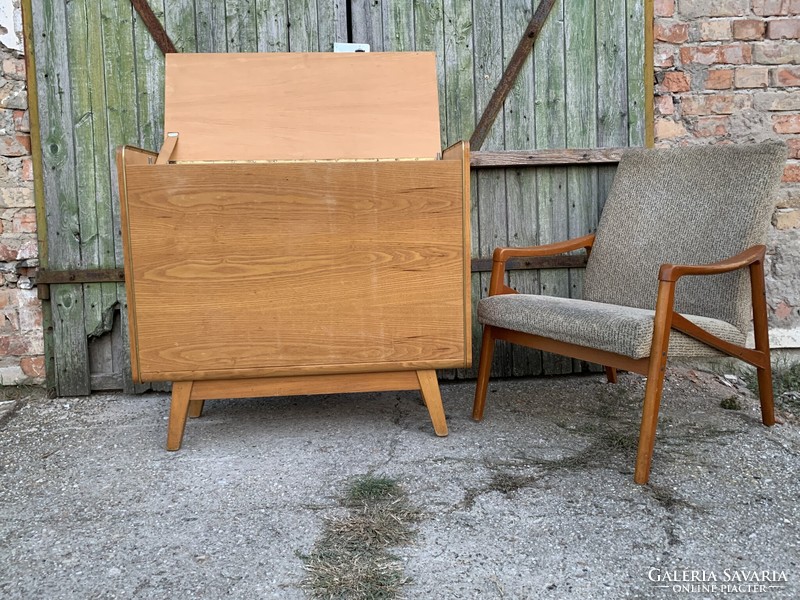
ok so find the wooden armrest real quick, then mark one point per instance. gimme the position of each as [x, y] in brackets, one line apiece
[503, 254]
[750, 256]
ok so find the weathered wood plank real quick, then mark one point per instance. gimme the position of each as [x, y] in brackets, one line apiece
[179, 21]
[273, 25]
[398, 26]
[366, 17]
[514, 65]
[212, 31]
[491, 183]
[460, 111]
[240, 18]
[92, 171]
[117, 18]
[581, 96]
[154, 26]
[429, 36]
[149, 83]
[520, 183]
[551, 132]
[543, 157]
[58, 161]
[332, 19]
[635, 51]
[303, 26]
[612, 86]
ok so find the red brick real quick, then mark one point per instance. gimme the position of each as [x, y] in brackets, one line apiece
[712, 31]
[663, 56]
[664, 105]
[707, 104]
[24, 221]
[783, 29]
[674, 33]
[14, 68]
[791, 173]
[27, 169]
[751, 77]
[669, 129]
[675, 81]
[749, 29]
[664, 8]
[22, 123]
[735, 54]
[719, 79]
[32, 366]
[711, 126]
[786, 123]
[794, 147]
[713, 8]
[786, 77]
[704, 55]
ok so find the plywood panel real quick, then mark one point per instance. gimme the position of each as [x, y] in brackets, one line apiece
[251, 270]
[277, 106]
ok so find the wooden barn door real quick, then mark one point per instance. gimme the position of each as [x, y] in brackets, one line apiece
[100, 84]
[582, 87]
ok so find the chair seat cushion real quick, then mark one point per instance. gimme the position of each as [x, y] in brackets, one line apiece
[620, 329]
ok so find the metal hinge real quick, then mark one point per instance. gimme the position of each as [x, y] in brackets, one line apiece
[45, 277]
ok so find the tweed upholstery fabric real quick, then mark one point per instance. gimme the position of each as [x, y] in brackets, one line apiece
[621, 329]
[689, 205]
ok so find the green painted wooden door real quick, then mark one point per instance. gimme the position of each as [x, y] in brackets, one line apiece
[100, 80]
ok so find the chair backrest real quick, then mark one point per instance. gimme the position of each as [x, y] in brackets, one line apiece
[689, 205]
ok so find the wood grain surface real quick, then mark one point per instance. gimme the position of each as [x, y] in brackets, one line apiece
[242, 270]
[302, 106]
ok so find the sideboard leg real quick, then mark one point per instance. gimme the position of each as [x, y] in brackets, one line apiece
[196, 408]
[429, 387]
[179, 409]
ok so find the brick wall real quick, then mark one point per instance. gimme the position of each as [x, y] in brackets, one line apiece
[21, 338]
[729, 71]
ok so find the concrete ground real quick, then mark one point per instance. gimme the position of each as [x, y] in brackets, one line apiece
[537, 501]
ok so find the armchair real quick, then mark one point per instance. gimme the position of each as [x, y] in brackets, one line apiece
[676, 268]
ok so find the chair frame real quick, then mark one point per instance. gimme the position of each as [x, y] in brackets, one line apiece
[665, 319]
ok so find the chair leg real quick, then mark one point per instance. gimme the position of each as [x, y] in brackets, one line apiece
[611, 374]
[764, 376]
[647, 432]
[484, 369]
[657, 365]
[761, 335]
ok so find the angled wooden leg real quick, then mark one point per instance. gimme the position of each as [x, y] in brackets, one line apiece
[761, 335]
[611, 375]
[429, 387]
[178, 411]
[655, 380]
[196, 408]
[484, 370]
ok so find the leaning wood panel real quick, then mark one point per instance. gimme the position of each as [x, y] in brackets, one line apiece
[302, 106]
[242, 270]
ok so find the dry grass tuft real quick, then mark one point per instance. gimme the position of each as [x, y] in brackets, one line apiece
[351, 558]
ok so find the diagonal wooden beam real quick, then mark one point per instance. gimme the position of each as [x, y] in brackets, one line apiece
[510, 74]
[154, 26]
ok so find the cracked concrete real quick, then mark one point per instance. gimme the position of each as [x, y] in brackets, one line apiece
[537, 501]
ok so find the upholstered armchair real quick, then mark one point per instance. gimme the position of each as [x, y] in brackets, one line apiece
[675, 269]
